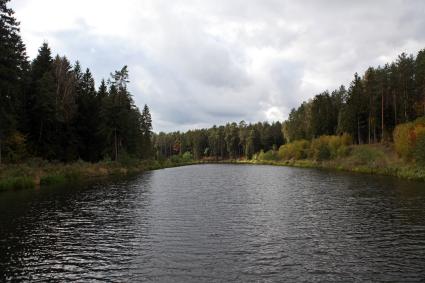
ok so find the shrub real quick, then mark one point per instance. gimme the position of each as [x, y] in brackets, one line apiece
[406, 135]
[267, 156]
[366, 155]
[175, 159]
[420, 149]
[343, 151]
[15, 147]
[338, 145]
[319, 149]
[53, 179]
[330, 147]
[401, 139]
[295, 150]
[127, 160]
[187, 156]
[16, 183]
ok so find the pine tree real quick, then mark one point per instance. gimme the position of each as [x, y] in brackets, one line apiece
[146, 127]
[87, 123]
[66, 140]
[41, 104]
[13, 70]
[420, 83]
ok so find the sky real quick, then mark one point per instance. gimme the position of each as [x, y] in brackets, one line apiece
[199, 63]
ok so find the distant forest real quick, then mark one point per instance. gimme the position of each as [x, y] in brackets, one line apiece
[51, 109]
[368, 111]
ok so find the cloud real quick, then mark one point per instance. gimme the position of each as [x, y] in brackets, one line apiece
[199, 63]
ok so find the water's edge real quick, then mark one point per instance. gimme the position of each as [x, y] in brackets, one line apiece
[405, 173]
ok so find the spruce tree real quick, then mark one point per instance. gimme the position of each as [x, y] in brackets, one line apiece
[13, 70]
[146, 127]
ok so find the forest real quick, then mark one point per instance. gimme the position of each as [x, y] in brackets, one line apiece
[51, 109]
[368, 111]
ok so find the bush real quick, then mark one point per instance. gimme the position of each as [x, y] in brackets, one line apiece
[420, 149]
[405, 137]
[319, 149]
[267, 156]
[53, 179]
[187, 156]
[343, 151]
[330, 147]
[367, 155]
[15, 147]
[127, 160]
[175, 159]
[338, 145]
[401, 139]
[295, 150]
[16, 183]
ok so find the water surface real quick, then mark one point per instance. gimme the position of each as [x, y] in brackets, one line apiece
[217, 223]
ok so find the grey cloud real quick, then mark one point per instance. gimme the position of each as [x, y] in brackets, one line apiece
[199, 63]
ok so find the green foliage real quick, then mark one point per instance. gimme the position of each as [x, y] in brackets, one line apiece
[14, 147]
[127, 160]
[187, 156]
[175, 158]
[406, 136]
[319, 149]
[419, 149]
[402, 143]
[53, 111]
[13, 73]
[53, 179]
[368, 156]
[16, 183]
[295, 150]
[270, 155]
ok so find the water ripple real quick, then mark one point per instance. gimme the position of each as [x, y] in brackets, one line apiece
[215, 223]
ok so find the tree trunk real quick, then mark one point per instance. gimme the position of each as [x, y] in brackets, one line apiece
[395, 110]
[382, 116]
[368, 128]
[116, 144]
[374, 132]
[40, 134]
[358, 130]
[405, 106]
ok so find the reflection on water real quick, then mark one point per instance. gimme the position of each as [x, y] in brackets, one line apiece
[218, 223]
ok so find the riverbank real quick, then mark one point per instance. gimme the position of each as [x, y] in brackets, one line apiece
[35, 173]
[369, 159]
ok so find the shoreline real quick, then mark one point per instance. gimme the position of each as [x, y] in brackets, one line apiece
[42, 173]
[405, 172]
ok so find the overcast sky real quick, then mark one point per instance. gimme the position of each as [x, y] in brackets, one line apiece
[199, 63]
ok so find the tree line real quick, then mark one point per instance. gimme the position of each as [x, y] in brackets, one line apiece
[233, 140]
[370, 109]
[50, 108]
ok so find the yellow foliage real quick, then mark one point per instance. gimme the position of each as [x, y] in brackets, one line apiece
[329, 147]
[295, 150]
[405, 137]
[15, 146]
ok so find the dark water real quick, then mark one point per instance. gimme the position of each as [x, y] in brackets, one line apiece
[217, 223]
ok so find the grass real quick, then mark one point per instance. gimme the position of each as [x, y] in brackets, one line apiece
[16, 183]
[370, 159]
[36, 172]
[53, 179]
